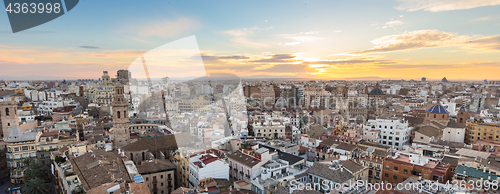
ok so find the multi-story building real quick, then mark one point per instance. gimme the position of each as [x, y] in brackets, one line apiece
[201, 105]
[373, 159]
[251, 92]
[477, 131]
[202, 166]
[475, 170]
[106, 91]
[273, 129]
[159, 174]
[267, 95]
[404, 165]
[123, 76]
[393, 132]
[20, 146]
[181, 161]
[313, 94]
[245, 166]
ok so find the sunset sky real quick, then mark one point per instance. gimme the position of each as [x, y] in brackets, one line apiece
[340, 39]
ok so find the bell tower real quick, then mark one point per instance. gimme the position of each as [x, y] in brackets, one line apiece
[462, 116]
[8, 114]
[120, 118]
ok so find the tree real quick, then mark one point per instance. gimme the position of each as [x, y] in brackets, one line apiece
[60, 159]
[27, 162]
[36, 170]
[35, 186]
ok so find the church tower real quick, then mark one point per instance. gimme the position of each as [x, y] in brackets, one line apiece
[462, 116]
[120, 119]
[8, 114]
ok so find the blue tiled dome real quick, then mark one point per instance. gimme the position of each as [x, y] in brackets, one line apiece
[437, 109]
[377, 91]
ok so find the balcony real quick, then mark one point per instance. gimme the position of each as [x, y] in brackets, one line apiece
[377, 168]
[377, 177]
[371, 167]
[370, 176]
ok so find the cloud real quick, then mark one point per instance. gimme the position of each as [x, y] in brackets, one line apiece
[391, 24]
[285, 68]
[277, 58]
[300, 38]
[443, 5]
[163, 27]
[485, 44]
[242, 37]
[213, 57]
[420, 66]
[90, 47]
[416, 40]
[484, 19]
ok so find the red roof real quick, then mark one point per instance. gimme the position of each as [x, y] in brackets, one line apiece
[48, 134]
[207, 159]
[134, 135]
[212, 188]
[302, 148]
[167, 131]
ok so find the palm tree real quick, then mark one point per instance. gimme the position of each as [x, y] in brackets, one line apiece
[35, 186]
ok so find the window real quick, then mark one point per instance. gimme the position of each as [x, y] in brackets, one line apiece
[396, 168]
[434, 115]
[161, 176]
[405, 171]
[395, 177]
[147, 178]
[386, 166]
[386, 174]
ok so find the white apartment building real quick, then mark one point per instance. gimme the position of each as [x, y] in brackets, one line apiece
[204, 166]
[393, 132]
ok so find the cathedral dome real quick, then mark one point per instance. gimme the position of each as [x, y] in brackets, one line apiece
[437, 109]
[281, 102]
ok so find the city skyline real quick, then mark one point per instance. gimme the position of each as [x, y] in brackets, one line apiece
[402, 39]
